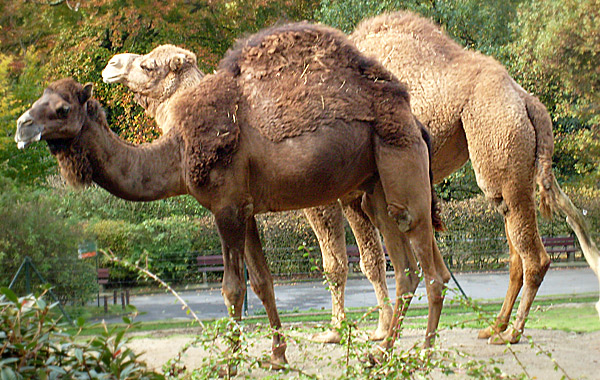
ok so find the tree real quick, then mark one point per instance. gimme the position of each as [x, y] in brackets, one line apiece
[556, 55]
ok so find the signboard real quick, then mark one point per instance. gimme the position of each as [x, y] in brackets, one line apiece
[86, 249]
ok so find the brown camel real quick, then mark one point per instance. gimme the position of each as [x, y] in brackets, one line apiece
[123, 68]
[475, 110]
[295, 117]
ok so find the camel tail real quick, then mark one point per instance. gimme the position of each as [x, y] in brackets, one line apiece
[436, 220]
[552, 197]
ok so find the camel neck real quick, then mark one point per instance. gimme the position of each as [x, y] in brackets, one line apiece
[134, 172]
[155, 108]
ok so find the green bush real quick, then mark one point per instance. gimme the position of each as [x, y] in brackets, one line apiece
[33, 345]
[29, 226]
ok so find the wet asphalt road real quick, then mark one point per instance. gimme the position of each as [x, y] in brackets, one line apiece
[208, 303]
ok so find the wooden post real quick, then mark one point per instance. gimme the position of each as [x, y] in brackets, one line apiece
[123, 300]
[114, 297]
[105, 303]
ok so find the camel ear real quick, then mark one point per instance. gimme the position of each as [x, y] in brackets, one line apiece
[177, 62]
[86, 93]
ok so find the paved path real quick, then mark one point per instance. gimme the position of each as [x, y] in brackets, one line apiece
[359, 293]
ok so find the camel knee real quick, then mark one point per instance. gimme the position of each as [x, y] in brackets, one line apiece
[435, 290]
[407, 282]
[534, 275]
[401, 216]
[233, 293]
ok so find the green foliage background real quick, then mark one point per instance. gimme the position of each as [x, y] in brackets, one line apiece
[551, 48]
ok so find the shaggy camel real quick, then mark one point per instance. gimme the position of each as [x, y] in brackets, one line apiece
[295, 117]
[153, 98]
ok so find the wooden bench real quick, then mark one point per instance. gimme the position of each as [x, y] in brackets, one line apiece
[557, 245]
[103, 275]
[212, 263]
[354, 256]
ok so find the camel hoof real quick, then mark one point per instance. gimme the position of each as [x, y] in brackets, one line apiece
[329, 336]
[378, 335]
[485, 333]
[277, 363]
[511, 336]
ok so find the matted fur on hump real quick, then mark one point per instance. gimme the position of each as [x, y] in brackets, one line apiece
[207, 116]
[300, 77]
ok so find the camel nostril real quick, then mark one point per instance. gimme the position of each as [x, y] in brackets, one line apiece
[24, 120]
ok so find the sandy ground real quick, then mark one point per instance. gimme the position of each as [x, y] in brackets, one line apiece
[578, 354]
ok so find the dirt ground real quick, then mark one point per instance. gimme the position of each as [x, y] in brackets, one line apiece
[578, 354]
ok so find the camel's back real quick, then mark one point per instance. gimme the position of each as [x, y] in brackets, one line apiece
[301, 77]
[440, 74]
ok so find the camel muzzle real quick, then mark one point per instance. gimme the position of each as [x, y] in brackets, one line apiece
[27, 131]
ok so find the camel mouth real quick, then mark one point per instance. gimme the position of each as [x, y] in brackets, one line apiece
[24, 143]
[111, 79]
[27, 131]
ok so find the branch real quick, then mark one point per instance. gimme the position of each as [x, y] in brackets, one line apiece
[54, 3]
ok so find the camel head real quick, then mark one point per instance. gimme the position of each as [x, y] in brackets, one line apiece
[117, 68]
[156, 75]
[58, 115]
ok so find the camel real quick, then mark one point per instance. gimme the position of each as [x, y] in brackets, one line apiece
[403, 41]
[153, 98]
[294, 117]
[474, 109]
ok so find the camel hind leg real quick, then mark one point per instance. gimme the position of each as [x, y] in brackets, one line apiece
[523, 235]
[406, 183]
[515, 283]
[327, 223]
[372, 261]
[401, 256]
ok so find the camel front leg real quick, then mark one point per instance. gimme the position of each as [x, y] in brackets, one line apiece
[327, 223]
[232, 229]
[232, 232]
[261, 282]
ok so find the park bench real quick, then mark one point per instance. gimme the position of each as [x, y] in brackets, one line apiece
[558, 245]
[211, 263]
[354, 256]
[103, 274]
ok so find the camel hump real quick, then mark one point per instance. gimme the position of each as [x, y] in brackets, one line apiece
[388, 26]
[299, 45]
[544, 138]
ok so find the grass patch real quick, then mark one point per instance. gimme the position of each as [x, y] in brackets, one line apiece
[546, 313]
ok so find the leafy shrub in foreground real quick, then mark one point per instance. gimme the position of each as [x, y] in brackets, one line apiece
[29, 226]
[33, 345]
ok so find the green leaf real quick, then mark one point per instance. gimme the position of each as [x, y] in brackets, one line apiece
[9, 294]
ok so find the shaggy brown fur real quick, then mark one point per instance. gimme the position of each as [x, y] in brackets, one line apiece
[209, 127]
[263, 63]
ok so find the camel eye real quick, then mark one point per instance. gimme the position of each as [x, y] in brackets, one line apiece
[63, 111]
[148, 66]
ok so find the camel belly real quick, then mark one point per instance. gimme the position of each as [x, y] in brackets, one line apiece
[312, 169]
